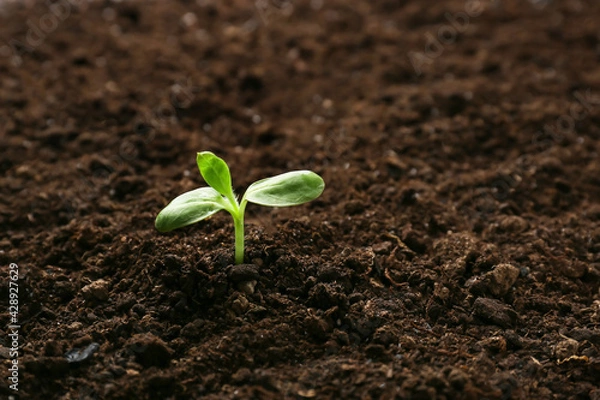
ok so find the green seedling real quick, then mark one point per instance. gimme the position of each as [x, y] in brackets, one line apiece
[289, 189]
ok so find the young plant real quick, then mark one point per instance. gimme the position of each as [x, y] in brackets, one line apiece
[289, 189]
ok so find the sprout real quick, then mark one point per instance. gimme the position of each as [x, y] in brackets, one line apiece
[288, 189]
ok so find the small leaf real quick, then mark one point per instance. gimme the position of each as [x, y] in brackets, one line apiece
[189, 208]
[215, 172]
[289, 189]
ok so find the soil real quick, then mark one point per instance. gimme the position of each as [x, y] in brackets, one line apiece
[455, 252]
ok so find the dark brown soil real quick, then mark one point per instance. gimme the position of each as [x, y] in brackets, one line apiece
[455, 252]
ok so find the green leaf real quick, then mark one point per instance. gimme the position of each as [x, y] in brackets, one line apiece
[215, 172]
[189, 208]
[289, 189]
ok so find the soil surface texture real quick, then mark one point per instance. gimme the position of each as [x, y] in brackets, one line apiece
[455, 251]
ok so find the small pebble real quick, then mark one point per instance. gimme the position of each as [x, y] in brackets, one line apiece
[79, 355]
[495, 312]
[96, 291]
